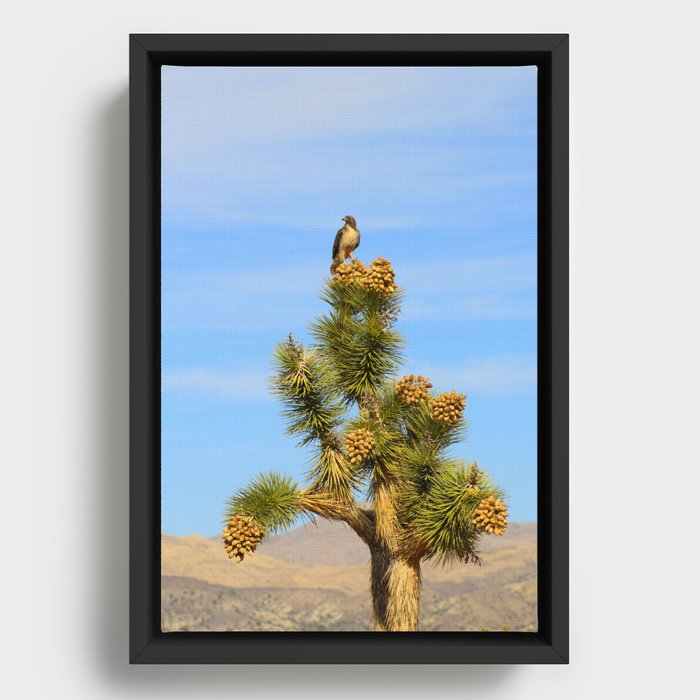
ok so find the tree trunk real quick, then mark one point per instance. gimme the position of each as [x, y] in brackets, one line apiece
[396, 602]
[403, 605]
[379, 584]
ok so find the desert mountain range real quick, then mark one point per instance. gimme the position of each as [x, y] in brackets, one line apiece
[315, 578]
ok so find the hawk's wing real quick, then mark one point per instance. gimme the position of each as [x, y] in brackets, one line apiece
[336, 242]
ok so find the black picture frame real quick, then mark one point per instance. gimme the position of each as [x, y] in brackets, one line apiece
[550, 644]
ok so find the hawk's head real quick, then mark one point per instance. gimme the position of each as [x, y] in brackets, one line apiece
[350, 220]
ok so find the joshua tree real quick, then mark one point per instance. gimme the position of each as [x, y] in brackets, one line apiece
[388, 441]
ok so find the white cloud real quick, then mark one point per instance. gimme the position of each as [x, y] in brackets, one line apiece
[240, 285]
[492, 288]
[272, 104]
[472, 308]
[487, 275]
[251, 145]
[506, 374]
[207, 381]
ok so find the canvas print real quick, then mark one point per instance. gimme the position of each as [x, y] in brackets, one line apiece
[349, 349]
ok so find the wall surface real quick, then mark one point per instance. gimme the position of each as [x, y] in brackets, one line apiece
[634, 352]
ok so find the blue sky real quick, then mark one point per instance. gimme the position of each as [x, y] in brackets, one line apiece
[259, 165]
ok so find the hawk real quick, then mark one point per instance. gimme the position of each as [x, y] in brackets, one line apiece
[346, 240]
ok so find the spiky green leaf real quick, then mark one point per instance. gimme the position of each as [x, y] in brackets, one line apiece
[442, 519]
[331, 472]
[302, 380]
[361, 351]
[271, 499]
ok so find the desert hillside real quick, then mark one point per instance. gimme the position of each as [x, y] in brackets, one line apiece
[315, 577]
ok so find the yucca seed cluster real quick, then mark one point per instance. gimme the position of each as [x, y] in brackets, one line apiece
[359, 444]
[413, 389]
[448, 407]
[241, 536]
[346, 275]
[490, 516]
[380, 277]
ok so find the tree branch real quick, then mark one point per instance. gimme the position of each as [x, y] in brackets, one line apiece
[326, 506]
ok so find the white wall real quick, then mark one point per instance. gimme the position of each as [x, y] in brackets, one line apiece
[634, 336]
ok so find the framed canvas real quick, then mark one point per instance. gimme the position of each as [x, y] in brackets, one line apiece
[349, 349]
